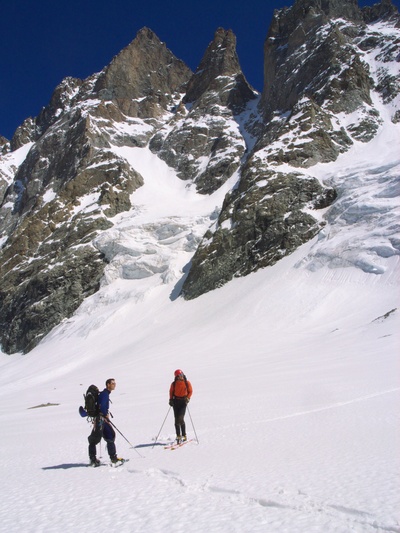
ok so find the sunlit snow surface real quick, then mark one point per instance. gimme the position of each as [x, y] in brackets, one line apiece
[295, 406]
[295, 370]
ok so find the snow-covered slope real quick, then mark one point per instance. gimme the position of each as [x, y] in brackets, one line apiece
[295, 407]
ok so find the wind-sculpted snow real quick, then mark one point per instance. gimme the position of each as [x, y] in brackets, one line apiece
[363, 225]
[142, 251]
[159, 236]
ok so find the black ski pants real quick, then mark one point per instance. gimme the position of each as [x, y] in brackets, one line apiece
[102, 429]
[179, 413]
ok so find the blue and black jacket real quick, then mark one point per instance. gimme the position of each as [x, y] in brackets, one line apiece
[104, 402]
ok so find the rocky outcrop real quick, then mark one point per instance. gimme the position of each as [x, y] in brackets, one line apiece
[62, 101]
[4, 145]
[384, 10]
[34, 299]
[24, 134]
[219, 64]
[306, 53]
[313, 64]
[143, 79]
[203, 141]
[266, 218]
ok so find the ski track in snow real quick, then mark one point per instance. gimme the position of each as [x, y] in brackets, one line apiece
[326, 408]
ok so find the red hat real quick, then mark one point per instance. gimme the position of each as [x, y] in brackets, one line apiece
[178, 372]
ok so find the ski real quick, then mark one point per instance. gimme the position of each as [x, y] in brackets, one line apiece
[112, 465]
[176, 445]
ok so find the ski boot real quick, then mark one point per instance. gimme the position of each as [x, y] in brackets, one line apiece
[94, 462]
[117, 460]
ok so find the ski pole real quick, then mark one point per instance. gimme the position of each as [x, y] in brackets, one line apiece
[162, 425]
[122, 435]
[193, 426]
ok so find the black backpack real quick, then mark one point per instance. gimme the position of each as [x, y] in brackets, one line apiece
[92, 401]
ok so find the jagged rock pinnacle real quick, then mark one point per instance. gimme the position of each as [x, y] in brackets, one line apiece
[220, 59]
[144, 69]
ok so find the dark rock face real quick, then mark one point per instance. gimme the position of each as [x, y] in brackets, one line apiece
[33, 300]
[143, 78]
[304, 49]
[203, 141]
[261, 222]
[383, 10]
[220, 61]
[24, 134]
[314, 65]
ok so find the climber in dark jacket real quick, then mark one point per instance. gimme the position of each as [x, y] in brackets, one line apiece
[102, 427]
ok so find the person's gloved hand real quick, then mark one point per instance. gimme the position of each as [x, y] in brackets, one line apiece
[187, 400]
[171, 402]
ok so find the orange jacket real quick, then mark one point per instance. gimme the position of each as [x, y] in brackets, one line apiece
[178, 389]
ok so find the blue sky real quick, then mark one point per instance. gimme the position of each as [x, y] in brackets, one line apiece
[43, 41]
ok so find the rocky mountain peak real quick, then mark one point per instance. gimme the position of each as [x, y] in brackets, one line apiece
[347, 9]
[202, 141]
[219, 61]
[304, 15]
[385, 10]
[141, 75]
[311, 51]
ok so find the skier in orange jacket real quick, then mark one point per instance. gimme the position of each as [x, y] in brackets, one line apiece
[180, 393]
